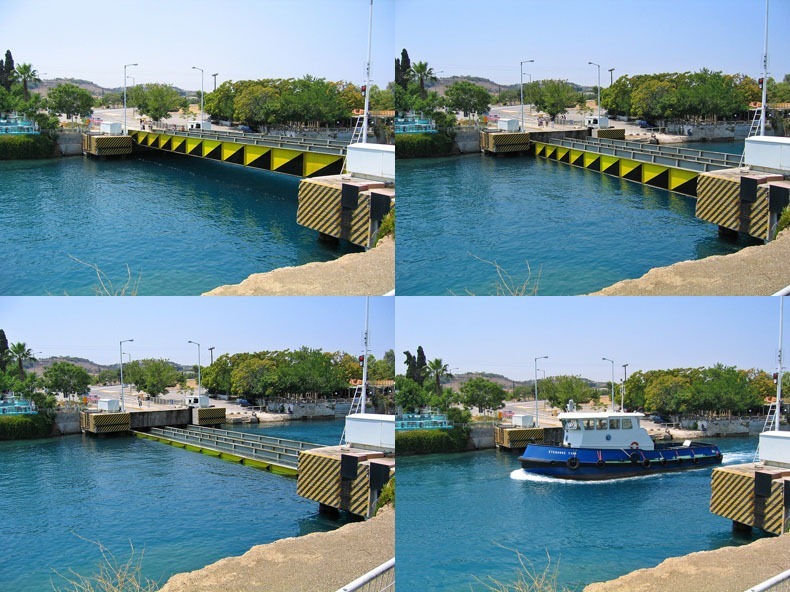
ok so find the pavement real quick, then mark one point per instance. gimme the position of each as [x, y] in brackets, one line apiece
[729, 569]
[318, 562]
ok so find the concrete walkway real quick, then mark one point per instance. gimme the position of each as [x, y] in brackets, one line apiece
[760, 270]
[730, 569]
[318, 562]
[371, 273]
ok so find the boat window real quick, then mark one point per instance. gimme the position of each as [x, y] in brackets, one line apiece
[603, 424]
[571, 424]
[614, 424]
[589, 424]
[627, 423]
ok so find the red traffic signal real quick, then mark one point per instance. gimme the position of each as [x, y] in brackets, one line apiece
[364, 88]
[760, 83]
[361, 360]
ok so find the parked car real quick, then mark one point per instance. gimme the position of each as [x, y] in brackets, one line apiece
[657, 419]
[243, 403]
[245, 128]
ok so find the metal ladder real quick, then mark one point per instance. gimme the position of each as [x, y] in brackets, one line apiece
[356, 404]
[356, 136]
[767, 426]
[753, 130]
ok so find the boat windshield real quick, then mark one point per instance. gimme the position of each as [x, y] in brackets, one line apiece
[571, 424]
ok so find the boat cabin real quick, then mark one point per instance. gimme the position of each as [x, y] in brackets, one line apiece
[596, 429]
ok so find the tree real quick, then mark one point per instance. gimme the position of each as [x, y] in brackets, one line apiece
[255, 377]
[108, 376]
[257, 105]
[219, 104]
[152, 376]
[444, 400]
[20, 353]
[70, 100]
[415, 366]
[436, 370]
[402, 69]
[3, 351]
[558, 390]
[67, 379]
[7, 71]
[157, 100]
[26, 75]
[556, 96]
[409, 395]
[422, 72]
[483, 394]
[468, 97]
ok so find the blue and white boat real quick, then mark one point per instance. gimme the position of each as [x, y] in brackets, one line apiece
[611, 445]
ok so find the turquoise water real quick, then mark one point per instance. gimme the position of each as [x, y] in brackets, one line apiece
[183, 225]
[475, 511]
[578, 230]
[319, 431]
[183, 509]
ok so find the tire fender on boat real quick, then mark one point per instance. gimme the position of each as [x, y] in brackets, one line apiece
[646, 463]
[573, 463]
[663, 461]
[695, 460]
[600, 464]
[634, 457]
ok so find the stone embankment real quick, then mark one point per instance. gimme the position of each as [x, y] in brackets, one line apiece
[754, 271]
[318, 562]
[356, 274]
[730, 569]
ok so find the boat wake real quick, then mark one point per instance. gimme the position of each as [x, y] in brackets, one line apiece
[522, 475]
[738, 458]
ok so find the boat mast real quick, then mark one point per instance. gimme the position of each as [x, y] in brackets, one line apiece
[779, 373]
[365, 356]
[367, 79]
[765, 74]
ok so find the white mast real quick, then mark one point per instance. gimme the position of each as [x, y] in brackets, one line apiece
[779, 373]
[365, 356]
[367, 83]
[765, 74]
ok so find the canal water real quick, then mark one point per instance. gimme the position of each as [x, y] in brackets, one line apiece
[182, 509]
[577, 230]
[182, 225]
[478, 511]
[319, 431]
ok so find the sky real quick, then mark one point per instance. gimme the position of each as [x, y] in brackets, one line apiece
[238, 39]
[504, 335]
[489, 39]
[92, 327]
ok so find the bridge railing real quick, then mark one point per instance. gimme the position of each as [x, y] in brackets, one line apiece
[379, 579]
[326, 146]
[283, 442]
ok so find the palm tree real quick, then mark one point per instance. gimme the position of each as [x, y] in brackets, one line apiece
[26, 74]
[421, 71]
[21, 353]
[436, 371]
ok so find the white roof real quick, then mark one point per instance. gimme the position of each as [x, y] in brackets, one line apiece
[597, 414]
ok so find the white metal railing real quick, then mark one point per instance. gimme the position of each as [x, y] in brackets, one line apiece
[378, 579]
[779, 583]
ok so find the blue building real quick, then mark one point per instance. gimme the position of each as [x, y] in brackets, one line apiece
[11, 405]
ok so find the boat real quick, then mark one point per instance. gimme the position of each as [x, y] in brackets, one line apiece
[599, 445]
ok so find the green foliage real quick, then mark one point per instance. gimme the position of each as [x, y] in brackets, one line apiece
[387, 496]
[70, 100]
[423, 145]
[552, 96]
[467, 97]
[558, 390]
[7, 71]
[784, 220]
[27, 75]
[458, 416]
[387, 227]
[66, 379]
[409, 394]
[26, 147]
[430, 441]
[416, 366]
[151, 376]
[108, 376]
[156, 100]
[483, 394]
[25, 427]
[444, 399]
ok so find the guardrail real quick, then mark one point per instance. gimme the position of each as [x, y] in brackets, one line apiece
[379, 579]
[778, 583]
[325, 146]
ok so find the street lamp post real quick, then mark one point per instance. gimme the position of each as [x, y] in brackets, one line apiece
[124, 102]
[599, 91]
[537, 419]
[201, 100]
[622, 392]
[611, 76]
[521, 87]
[133, 85]
[211, 351]
[215, 79]
[123, 405]
[196, 343]
[612, 361]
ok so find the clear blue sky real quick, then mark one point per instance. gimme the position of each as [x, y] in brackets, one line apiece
[503, 335]
[239, 39]
[91, 327]
[489, 39]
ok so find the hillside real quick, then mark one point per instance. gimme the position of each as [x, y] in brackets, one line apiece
[44, 86]
[495, 88]
[505, 382]
[92, 367]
